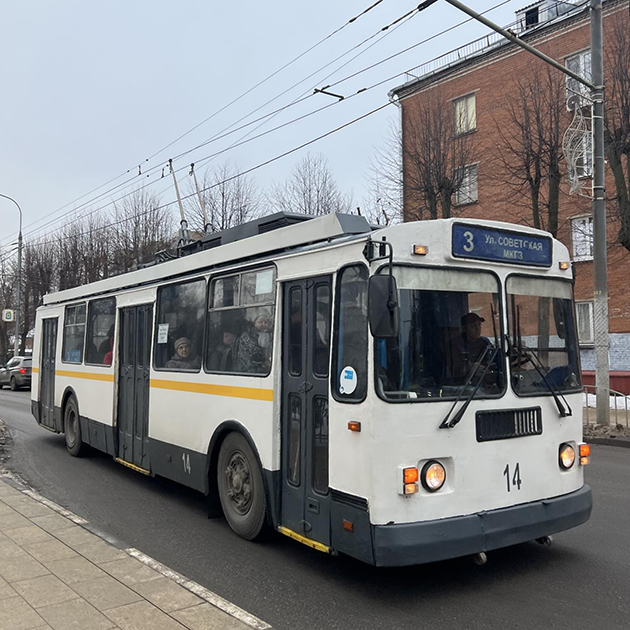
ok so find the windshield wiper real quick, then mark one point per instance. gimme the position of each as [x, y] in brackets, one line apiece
[449, 424]
[533, 358]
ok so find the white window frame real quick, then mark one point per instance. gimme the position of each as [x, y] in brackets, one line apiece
[465, 114]
[468, 191]
[591, 324]
[580, 63]
[582, 237]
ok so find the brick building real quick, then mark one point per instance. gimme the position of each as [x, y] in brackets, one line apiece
[479, 85]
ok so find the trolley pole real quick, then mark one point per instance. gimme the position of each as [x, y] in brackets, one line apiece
[600, 264]
[18, 297]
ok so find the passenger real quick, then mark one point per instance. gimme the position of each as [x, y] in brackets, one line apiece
[184, 359]
[107, 359]
[239, 351]
[264, 329]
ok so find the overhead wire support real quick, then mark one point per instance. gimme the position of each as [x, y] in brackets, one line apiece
[184, 236]
[202, 204]
[323, 91]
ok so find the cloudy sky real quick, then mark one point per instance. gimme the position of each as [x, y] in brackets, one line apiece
[92, 90]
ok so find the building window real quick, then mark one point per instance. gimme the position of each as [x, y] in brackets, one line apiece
[465, 114]
[531, 17]
[584, 313]
[580, 63]
[582, 238]
[467, 190]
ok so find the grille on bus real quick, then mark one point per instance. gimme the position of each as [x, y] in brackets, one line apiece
[508, 423]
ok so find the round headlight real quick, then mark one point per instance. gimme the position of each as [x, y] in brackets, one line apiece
[567, 456]
[433, 476]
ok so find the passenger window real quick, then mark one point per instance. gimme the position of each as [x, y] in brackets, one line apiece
[241, 322]
[73, 334]
[100, 332]
[180, 324]
[321, 334]
[351, 339]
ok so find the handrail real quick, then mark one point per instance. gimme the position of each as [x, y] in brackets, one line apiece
[618, 397]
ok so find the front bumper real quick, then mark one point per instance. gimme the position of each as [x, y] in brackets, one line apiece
[430, 541]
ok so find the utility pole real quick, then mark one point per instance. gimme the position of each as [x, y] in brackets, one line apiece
[184, 237]
[16, 341]
[600, 264]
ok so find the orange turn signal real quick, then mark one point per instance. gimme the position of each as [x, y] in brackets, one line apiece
[353, 425]
[585, 450]
[564, 265]
[347, 525]
[410, 475]
[420, 250]
[411, 488]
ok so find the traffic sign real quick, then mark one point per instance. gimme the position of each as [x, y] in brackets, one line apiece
[8, 315]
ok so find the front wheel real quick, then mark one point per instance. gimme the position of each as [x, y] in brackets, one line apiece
[241, 488]
[72, 428]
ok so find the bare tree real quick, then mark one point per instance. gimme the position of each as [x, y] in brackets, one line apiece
[229, 199]
[434, 158]
[140, 229]
[617, 130]
[530, 148]
[310, 189]
[7, 299]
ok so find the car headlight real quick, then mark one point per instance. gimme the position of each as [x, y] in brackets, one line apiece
[566, 456]
[433, 476]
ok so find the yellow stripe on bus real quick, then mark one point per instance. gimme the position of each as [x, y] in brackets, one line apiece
[216, 390]
[88, 375]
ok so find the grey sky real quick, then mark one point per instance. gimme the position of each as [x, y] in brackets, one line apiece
[92, 89]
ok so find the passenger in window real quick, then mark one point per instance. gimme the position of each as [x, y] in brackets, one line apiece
[106, 344]
[264, 328]
[107, 359]
[239, 351]
[471, 347]
[184, 358]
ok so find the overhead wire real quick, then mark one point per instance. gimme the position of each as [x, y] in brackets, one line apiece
[247, 92]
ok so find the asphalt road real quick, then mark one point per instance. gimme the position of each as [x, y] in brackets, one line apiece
[582, 581]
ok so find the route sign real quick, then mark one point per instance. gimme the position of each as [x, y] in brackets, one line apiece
[515, 248]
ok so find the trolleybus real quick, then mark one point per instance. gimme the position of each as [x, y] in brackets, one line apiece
[401, 395]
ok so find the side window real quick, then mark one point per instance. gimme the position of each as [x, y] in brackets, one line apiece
[73, 334]
[100, 331]
[180, 324]
[240, 323]
[351, 335]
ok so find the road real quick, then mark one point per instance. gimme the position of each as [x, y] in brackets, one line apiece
[582, 581]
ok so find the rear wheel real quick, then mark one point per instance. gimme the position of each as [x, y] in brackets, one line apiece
[241, 488]
[14, 385]
[72, 428]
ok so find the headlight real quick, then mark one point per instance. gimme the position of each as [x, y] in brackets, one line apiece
[567, 456]
[433, 476]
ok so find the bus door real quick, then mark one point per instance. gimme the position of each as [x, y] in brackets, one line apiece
[305, 365]
[133, 385]
[47, 374]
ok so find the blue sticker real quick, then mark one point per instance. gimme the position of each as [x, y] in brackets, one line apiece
[347, 380]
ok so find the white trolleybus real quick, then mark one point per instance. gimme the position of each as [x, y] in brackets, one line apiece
[401, 395]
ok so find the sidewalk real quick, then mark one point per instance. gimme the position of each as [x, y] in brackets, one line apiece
[56, 574]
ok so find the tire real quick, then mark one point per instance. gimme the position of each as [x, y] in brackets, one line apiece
[14, 385]
[241, 488]
[72, 429]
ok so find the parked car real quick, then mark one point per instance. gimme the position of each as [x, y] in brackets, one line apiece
[16, 373]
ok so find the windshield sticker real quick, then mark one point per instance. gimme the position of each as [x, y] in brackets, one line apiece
[264, 282]
[347, 381]
[162, 336]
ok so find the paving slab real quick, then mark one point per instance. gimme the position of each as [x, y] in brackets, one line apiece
[44, 591]
[28, 535]
[207, 617]
[50, 551]
[53, 523]
[76, 615]
[130, 571]
[76, 536]
[16, 614]
[142, 616]
[99, 551]
[166, 594]
[74, 570]
[9, 549]
[6, 590]
[21, 568]
[106, 592]
[13, 520]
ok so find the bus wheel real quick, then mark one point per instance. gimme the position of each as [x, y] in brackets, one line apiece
[72, 428]
[241, 488]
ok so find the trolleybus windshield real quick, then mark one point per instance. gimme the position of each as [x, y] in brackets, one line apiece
[543, 339]
[449, 325]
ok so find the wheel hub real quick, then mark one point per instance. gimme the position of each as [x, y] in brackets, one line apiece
[237, 475]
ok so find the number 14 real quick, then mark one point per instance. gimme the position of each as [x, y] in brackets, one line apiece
[516, 477]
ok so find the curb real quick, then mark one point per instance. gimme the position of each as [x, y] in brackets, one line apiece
[203, 593]
[609, 441]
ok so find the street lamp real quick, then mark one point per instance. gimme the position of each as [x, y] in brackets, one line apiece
[19, 281]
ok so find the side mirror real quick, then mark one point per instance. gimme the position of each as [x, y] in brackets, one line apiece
[383, 308]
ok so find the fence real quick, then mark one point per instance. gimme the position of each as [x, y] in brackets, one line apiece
[619, 407]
